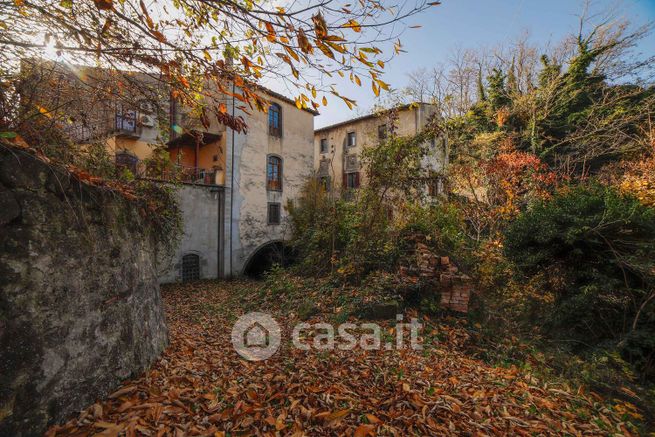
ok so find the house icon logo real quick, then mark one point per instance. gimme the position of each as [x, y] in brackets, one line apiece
[256, 336]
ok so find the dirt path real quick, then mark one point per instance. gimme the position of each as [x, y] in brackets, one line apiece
[201, 386]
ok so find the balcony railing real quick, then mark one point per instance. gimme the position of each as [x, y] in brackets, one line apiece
[186, 174]
[126, 124]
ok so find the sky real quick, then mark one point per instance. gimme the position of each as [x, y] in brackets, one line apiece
[481, 23]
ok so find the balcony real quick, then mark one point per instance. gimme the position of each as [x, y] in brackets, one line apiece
[191, 175]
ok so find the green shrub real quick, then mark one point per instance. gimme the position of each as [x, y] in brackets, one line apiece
[594, 249]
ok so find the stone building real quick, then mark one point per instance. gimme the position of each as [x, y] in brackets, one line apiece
[337, 147]
[235, 185]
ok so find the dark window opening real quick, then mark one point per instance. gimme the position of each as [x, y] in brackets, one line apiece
[274, 211]
[434, 186]
[324, 145]
[190, 267]
[382, 132]
[352, 180]
[127, 160]
[352, 139]
[275, 120]
[274, 173]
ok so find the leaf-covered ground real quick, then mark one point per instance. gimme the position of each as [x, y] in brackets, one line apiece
[200, 386]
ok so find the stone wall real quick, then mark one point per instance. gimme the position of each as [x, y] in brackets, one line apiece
[80, 308]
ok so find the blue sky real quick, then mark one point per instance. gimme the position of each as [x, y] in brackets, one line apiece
[481, 23]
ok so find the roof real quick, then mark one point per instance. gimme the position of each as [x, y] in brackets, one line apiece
[369, 116]
[286, 99]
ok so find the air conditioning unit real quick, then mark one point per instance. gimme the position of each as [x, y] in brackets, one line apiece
[147, 120]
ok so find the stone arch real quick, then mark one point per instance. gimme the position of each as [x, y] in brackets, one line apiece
[265, 256]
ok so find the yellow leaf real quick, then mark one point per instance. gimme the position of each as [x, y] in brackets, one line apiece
[292, 53]
[325, 102]
[44, 111]
[376, 89]
[383, 85]
[354, 25]
[349, 103]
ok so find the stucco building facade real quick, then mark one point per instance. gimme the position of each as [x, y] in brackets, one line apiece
[337, 147]
[234, 184]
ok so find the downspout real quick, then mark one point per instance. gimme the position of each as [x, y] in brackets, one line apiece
[232, 182]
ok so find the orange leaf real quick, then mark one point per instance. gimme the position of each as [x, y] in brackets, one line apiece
[160, 36]
[364, 430]
[337, 415]
[372, 418]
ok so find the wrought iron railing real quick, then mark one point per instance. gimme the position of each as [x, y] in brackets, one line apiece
[181, 173]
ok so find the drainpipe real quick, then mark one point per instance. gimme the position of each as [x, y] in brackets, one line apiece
[232, 181]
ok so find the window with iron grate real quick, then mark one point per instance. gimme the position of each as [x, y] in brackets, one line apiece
[190, 267]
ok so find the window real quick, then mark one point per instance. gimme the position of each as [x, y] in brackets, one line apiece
[434, 186]
[382, 132]
[190, 267]
[324, 145]
[352, 139]
[274, 173]
[273, 213]
[352, 180]
[125, 159]
[275, 120]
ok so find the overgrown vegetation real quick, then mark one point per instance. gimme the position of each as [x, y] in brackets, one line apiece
[549, 207]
